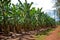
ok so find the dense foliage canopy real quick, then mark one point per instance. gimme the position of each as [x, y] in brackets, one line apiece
[22, 16]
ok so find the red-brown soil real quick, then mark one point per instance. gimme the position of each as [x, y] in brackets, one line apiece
[55, 35]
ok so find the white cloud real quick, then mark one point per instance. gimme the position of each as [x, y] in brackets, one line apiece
[14, 1]
[45, 4]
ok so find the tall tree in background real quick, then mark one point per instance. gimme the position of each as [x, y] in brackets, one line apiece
[58, 8]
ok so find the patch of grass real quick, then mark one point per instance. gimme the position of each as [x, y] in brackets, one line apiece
[59, 33]
[40, 37]
[46, 32]
[43, 34]
[58, 30]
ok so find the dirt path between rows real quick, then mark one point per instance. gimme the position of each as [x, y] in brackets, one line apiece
[55, 35]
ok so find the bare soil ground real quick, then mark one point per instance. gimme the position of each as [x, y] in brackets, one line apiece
[55, 35]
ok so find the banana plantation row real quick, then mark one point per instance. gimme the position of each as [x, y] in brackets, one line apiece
[22, 16]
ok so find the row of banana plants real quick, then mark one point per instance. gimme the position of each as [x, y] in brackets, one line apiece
[22, 16]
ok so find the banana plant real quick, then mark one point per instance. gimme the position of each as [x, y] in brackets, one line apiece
[3, 4]
[25, 8]
[22, 16]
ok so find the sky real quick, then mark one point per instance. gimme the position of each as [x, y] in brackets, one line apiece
[45, 4]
